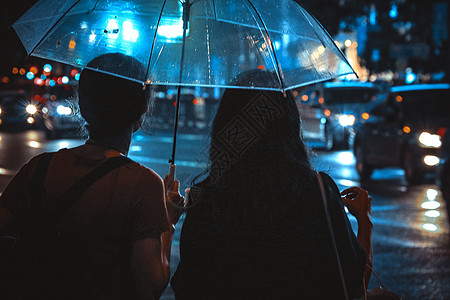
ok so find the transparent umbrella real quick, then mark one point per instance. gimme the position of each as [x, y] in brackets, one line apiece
[188, 43]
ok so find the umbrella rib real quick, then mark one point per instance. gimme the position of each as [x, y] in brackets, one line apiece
[279, 71]
[310, 24]
[46, 34]
[154, 40]
[95, 6]
[208, 43]
[214, 10]
[335, 46]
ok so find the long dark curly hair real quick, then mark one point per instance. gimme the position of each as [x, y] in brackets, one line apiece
[258, 162]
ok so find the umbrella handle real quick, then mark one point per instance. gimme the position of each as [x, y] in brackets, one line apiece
[172, 171]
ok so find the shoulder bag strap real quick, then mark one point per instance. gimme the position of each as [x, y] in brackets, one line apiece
[72, 193]
[36, 184]
[330, 228]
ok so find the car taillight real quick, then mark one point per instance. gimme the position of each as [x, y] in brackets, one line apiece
[441, 132]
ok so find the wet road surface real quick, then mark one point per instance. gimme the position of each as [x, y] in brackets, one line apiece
[411, 236]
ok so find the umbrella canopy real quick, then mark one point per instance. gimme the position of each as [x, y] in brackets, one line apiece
[224, 38]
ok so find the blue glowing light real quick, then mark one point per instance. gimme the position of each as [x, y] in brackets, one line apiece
[420, 87]
[171, 32]
[277, 45]
[410, 78]
[47, 68]
[373, 15]
[393, 13]
[129, 33]
[171, 27]
[113, 29]
[113, 26]
[30, 76]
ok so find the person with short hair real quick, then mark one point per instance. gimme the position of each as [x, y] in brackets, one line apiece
[120, 229]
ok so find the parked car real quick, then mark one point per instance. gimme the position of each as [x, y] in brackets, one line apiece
[61, 117]
[17, 111]
[405, 131]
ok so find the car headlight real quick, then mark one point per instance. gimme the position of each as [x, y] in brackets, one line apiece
[0, 110]
[431, 160]
[31, 109]
[63, 110]
[347, 120]
[427, 139]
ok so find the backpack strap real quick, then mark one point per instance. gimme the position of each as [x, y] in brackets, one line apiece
[35, 186]
[66, 199]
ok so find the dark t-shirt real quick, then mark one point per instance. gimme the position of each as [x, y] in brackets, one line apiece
[291, 258]
[104, 222]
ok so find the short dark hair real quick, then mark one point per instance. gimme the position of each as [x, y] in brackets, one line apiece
[110, 104]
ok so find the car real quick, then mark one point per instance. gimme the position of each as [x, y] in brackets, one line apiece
[17, 111]
[338, 107]
[405, 131]
[315, 121]
[60, 116]
[348, 102]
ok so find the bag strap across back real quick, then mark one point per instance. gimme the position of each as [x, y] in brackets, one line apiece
[71, 194]
[36, 184]
[67, 198]
[330, 228]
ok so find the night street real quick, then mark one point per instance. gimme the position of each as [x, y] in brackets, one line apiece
[364, 84]
[411, 238]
